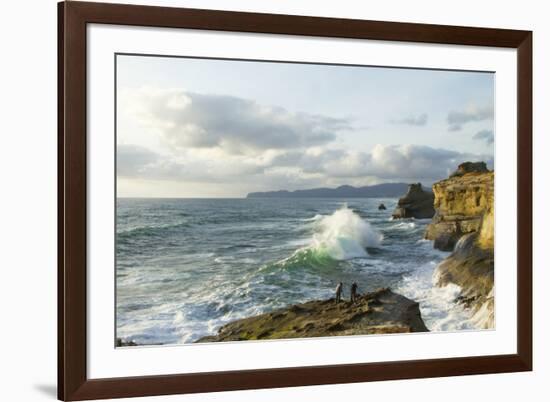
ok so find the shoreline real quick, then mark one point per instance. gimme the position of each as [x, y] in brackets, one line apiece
[462, 225]
[378, 312]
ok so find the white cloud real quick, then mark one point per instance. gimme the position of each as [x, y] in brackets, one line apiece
[420, 120]
[190, 120]
[231, 142]
[133, 160]
[456, 119]
[292, 169]
[487, 135]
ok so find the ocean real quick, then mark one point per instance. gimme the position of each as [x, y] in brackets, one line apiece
[184, 267]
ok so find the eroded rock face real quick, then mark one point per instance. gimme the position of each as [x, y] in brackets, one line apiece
[464, 224]
[417, 203]
[379, 312]
[470, 167]
[472, 268]
[464, 204]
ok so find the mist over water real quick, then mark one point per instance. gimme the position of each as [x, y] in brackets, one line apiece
[187, 266]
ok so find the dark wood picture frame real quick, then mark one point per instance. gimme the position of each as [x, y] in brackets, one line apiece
[73, 383]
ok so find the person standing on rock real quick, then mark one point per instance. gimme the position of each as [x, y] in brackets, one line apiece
[338, 291]
[353, 292]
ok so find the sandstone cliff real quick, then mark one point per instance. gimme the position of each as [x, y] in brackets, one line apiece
[463, 204]
[417, 203]
[464, 224]
[379, 312]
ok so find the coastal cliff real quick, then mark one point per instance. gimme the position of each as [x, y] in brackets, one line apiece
[463, 204]
[378, 312]
[417, 203]
[464, 223]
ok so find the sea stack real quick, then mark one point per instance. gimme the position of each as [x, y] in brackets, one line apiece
[381, 207]
[464, 224]
[417, 203]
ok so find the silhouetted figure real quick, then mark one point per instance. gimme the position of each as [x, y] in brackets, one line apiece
[338, 296]
[353, 292]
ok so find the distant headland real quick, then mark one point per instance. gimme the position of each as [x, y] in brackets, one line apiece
[378, 190]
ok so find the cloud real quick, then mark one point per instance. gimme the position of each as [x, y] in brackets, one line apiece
[191, 120]
[133, 160]
[456, 119]
[416, 161]
[230, 141]
[420, 120]
[383, 163]
[404, 162]
[136, 162]
[486, 135]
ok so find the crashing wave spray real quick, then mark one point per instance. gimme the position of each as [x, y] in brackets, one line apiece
[344, 235]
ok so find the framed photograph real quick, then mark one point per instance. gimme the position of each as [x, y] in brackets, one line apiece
[253, 200]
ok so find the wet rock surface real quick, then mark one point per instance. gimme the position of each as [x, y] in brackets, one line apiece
[378, 312]
[464, 224]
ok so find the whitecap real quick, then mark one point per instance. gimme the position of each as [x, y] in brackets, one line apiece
[404, 226]
[345, 235]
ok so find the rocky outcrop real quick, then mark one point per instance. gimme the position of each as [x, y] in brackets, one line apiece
[470, 167]
[123, 343]
[378, 312]
[417, 203]
[472, 268]
[464, 224]
[381, 207]
[463, 204]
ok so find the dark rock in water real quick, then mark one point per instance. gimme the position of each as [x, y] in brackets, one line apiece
[378, 312]
[470, 167]
[121, 343]
[381, 207]
[417, 203]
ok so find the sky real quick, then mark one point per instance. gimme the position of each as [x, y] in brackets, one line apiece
[202, 128]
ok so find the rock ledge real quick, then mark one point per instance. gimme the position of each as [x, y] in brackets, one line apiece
[378, 312]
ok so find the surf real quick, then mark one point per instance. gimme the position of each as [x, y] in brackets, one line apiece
[344, 235]
[340, 236]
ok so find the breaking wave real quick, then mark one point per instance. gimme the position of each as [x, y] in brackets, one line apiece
[343, 235]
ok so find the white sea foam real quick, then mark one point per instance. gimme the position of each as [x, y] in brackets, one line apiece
[485, 317]
[313, 219]
[185, 294]
[344, 235]
[404, 225]
[298, 243]
[438, 305]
